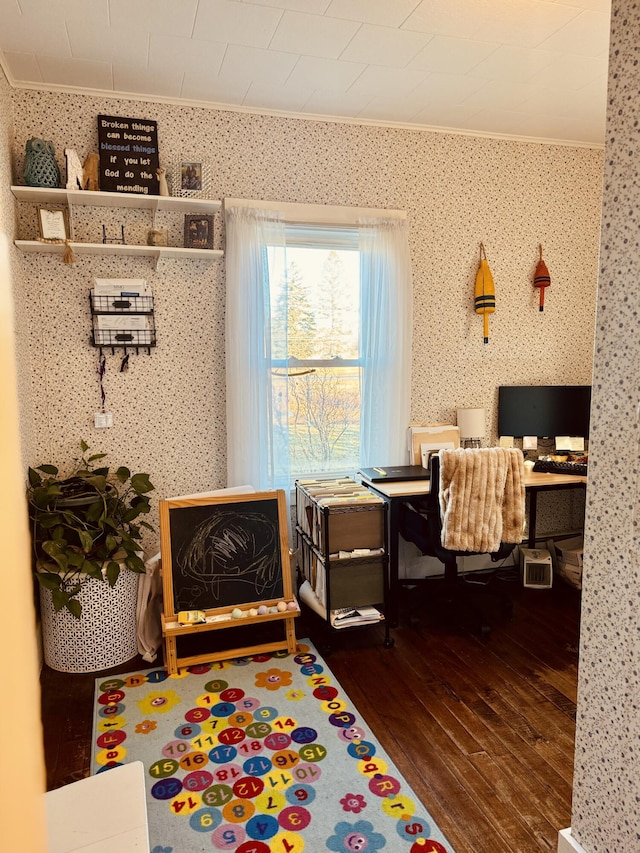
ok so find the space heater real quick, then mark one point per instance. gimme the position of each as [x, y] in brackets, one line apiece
[536, 568]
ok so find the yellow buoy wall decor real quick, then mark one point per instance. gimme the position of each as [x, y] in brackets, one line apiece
[485, 296]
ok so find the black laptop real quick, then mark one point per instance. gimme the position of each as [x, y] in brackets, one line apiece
[389, 473]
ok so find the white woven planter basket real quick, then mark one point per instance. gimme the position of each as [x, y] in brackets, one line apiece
[104, 636]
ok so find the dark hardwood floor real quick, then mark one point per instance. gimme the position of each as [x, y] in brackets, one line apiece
[482, 729]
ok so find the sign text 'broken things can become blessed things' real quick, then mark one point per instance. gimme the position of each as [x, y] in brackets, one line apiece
[128, 155]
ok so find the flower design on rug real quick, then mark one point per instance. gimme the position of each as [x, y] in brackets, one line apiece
[353, 803]
[159, 703]
[294, 695]
[146, 727]
[355, 838]
[273, 679]
[159, 849]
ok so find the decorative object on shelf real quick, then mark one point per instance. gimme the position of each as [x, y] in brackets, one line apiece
[190, 179]
[128, 154]
[40, 166]
[74, 170]
[541, 278]
[191, 176]
[157, 237]
[163, 188]
[85, 525]
[91, 172]
[107, 239]
[198, 231]
[53, 223]
[485, 296]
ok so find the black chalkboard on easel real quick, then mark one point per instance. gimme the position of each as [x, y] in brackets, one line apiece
[222, 555]
[225, 554]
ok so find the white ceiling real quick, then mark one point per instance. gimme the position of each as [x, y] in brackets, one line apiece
[523, 68]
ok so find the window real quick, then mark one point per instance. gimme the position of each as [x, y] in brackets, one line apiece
[318, 340]
[315, 350]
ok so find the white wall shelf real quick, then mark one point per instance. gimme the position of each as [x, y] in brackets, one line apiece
[85, 198]
[157, 252]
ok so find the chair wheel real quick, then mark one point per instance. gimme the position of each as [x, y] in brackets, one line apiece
[389, 643]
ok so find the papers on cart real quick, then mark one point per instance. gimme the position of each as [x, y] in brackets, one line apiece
[346, 617]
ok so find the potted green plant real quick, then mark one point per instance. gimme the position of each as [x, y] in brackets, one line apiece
[85, 526]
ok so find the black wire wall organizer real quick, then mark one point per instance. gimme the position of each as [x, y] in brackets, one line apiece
[136, 330]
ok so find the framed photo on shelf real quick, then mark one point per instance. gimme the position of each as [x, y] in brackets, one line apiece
[53, 223]
[198, 231]
[191, 176]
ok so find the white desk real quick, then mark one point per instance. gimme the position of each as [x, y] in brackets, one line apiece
[106, 813]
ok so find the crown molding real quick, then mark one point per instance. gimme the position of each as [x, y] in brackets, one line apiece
[297, 116]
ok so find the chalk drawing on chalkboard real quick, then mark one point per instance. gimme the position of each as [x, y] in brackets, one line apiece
[234, 546]
[225, 551]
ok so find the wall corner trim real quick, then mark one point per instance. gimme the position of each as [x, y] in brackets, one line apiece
[567, 844]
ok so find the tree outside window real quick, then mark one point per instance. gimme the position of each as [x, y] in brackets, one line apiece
[316, 362]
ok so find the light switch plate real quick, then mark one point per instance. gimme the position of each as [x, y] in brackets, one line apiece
[103, 420]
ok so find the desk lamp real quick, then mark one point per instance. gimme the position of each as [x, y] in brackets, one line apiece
[471, 423]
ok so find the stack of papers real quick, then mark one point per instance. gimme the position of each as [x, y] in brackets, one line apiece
[348, 616]
[121, 287]
[122, 311]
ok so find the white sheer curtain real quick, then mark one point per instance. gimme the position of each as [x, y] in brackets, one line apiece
[386, 312]
[253, 230]
[250, 445]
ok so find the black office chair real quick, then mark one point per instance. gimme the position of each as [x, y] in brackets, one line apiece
[472, 606]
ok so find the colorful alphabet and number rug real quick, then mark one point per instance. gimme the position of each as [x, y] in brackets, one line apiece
[258, 755]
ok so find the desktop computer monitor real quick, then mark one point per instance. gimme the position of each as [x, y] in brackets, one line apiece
[544, 410]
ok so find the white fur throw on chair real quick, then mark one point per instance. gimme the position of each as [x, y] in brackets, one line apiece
[481, 498]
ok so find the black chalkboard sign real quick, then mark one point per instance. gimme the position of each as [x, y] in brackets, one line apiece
[128, 155]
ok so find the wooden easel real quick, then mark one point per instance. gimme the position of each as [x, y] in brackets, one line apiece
[174, 527]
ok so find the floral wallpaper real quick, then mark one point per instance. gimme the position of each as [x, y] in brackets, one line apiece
[7, 232]
[169, 407]
[606, 796]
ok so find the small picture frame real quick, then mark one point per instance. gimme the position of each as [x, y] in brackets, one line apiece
[198, 231]
[53, 223]
[191, 176]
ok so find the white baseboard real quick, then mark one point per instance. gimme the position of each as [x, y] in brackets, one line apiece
[567, 844]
